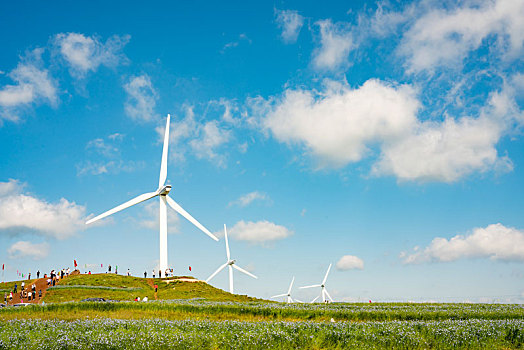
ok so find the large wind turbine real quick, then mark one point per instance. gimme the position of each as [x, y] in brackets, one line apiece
[162, 193]
[288, 294]
[231, 264]
[324, 291]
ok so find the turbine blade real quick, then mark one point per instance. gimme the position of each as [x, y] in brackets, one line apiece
[227, 244]
[163, 165]
[244, 271]
[312, 301]
[136, 200]
[217, 271]
[185, 214]
[329, 296]
[278, 296]
[291, 285]
[298, 301]
[313, 286]
[231, 280]
[326, 276]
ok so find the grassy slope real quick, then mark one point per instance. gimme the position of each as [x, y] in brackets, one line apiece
[128, 288]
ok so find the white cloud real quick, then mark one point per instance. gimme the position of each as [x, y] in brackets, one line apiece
[21, 212]
[350, 262]
[149, 217]
[25, 249]
[102, 147]
[336, 41]
[33, 85]
[248, 198]
[290, 22]
[496, 242]
[107, 167]
[339, 125]
[444, 37]
[259, 232]
[211, 137]
[141, 99]
[444, 151]
[87, 53]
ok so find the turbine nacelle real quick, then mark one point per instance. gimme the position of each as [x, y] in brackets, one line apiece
[164, 190]
[231, 262]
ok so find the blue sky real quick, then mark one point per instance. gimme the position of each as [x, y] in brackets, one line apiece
[382, 137]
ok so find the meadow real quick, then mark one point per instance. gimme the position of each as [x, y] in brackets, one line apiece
[188, 314]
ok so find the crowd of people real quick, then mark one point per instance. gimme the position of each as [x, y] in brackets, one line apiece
[29, 293]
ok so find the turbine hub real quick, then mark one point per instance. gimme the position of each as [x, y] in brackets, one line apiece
[164, 190]
[231, 262]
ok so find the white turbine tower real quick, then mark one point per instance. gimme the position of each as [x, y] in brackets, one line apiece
[288, 294]
[324, 291]
[231, 264]
[162, 193]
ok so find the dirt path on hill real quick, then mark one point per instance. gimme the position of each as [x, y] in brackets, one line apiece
[151, 283]
[40, 283]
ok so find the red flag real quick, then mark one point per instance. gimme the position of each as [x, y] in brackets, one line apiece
[189, 268]
[2, 267]
[75, 264]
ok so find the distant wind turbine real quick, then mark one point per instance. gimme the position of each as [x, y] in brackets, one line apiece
[324, 291]
[288, 294]
[231, 264]
[162, 193]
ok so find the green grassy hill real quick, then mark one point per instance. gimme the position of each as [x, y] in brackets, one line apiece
[117, 287]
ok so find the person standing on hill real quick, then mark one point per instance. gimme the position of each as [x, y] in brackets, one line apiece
[38, 274]
[40, 294]
[128, 272]
[15, 289]
[159, 273]
[145, 274]
[153, 273]
[5, 298]
[109, 269]
[29, 276]
[22, 285]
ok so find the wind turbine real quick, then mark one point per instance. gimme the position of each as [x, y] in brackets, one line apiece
[324, 291]
[231, 264]
[164, 199]
[288, 294]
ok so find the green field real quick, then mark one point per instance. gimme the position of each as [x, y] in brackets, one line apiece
[195, 315]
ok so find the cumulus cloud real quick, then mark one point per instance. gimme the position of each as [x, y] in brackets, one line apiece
[495, 242]
[33, 84]
[107, 167]
[205, 139]
[141, 98]
[20, 212]
[336, 41]
[444, 151]
[259, 232]
[290, 22]
[25, 249]
[443, 37]
[87, 53]
[350, 262]
[149, 218]
[211, 137]
[342, 125]
[337, 126]
[248, 198]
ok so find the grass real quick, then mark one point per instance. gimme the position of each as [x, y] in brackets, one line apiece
[126, 288]
[191, 334]
[199, 309]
